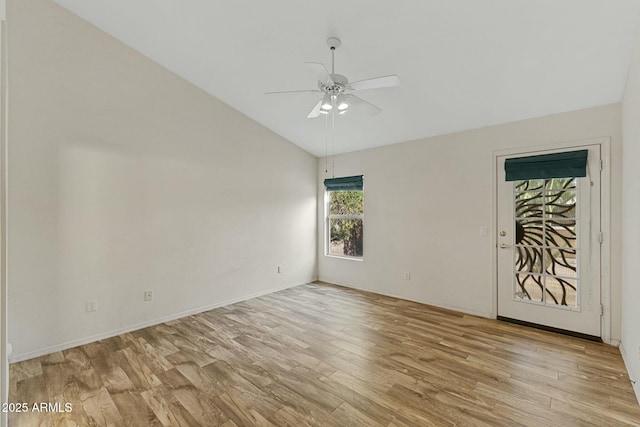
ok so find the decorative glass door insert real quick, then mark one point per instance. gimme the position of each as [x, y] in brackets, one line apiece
[546, 242]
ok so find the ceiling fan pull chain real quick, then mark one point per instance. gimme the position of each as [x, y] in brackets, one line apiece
[326, 144]
[333, 143]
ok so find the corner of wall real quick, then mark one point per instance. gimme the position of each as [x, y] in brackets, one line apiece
[634, 379]
[5, 347]
[630, 339]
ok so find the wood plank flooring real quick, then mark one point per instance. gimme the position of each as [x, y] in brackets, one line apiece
[321, 355]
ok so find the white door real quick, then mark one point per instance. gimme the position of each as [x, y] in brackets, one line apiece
[549, 248]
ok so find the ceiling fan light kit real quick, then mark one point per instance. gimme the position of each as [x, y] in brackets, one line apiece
[336, 87]
[327, 102]
[342, 102]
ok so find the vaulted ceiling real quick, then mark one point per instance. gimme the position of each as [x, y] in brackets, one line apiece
[463, 64]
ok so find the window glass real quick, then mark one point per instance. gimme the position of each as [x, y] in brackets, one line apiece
[345, 223]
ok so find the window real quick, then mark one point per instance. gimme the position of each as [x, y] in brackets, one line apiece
[345, 218]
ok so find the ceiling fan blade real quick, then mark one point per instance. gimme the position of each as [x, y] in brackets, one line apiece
[315, 112]
[376, 83]
[293, 91]
[320, 71]
[356, 100]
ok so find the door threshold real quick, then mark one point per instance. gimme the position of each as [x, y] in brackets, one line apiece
[551, 329]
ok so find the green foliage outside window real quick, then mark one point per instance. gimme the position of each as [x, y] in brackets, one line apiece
[345, 231]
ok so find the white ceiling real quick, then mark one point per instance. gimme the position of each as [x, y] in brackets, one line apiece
[463, 64]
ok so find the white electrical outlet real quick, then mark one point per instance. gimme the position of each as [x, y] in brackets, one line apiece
[92, 306]
[484, 231]
[148, 295]
[280, 269]
[407, 275]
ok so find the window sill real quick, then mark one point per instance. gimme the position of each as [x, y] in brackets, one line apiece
[345, 257]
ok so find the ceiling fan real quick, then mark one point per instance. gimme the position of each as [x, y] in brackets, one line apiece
[337, 88]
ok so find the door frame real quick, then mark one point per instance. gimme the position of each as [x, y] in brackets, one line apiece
[605, 220]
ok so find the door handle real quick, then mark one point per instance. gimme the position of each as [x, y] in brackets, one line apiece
[504, 246]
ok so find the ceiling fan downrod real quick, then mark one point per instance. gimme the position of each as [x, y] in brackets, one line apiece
[333, 43]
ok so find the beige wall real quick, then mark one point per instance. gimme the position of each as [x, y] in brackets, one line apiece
[4, 360]
[425, 202]
[631, 222]
[125, 178]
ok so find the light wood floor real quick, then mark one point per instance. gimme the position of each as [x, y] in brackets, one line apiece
[330, 356]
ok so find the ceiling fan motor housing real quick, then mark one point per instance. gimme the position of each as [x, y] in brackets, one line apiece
[339, 85]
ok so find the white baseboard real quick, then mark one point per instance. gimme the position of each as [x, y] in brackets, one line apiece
[464, 310]
[86, 340]
[635, 381]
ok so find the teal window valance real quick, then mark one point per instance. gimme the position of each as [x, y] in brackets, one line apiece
[346, 183]
[556, 165]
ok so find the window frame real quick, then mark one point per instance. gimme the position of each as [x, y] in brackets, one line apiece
[327, 226]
